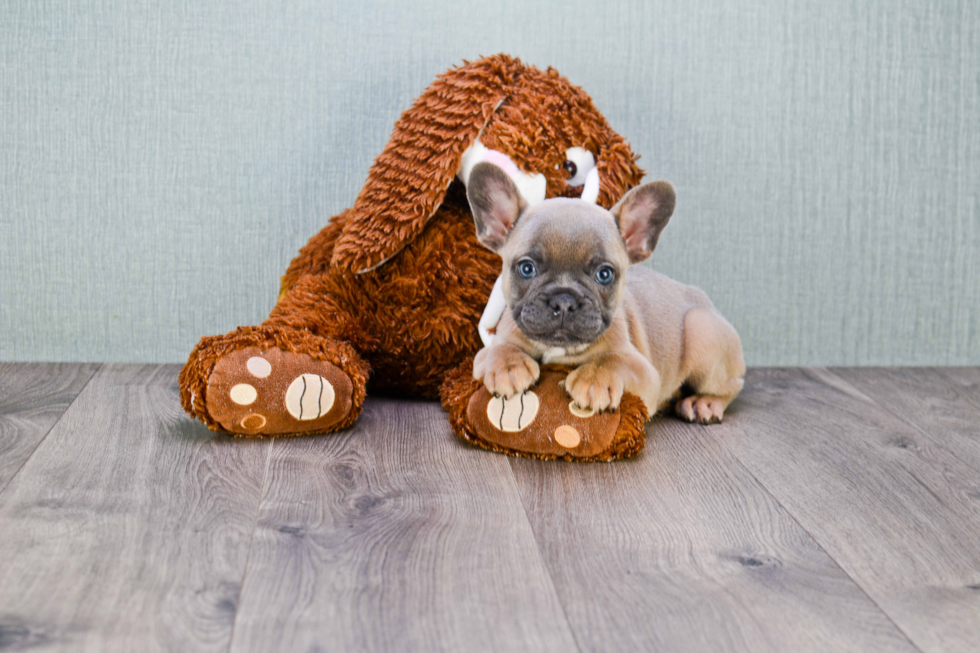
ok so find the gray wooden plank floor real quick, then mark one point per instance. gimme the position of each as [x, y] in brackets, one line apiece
[393, 537]
[893, 503]
[683, 550]
[833, 510]
[128, 524]
[33, 397]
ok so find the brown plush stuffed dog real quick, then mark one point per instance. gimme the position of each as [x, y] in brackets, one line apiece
[393, 288]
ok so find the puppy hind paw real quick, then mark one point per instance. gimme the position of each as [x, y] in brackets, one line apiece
[703, 409]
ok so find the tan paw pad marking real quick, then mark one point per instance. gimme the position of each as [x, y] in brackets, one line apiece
[309, 396]
[253, 421]
[258, 367]
[513, 414]
[578, 411]
[243, 394]
[567, 436]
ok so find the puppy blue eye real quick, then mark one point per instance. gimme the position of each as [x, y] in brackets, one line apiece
[605, 275]
[526, 269]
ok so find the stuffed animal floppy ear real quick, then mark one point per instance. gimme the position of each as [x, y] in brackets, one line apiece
[409, 179]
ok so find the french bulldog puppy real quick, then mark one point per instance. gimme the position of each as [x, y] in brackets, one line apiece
[575, 298]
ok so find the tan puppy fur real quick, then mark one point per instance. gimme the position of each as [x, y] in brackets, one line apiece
[574, 299]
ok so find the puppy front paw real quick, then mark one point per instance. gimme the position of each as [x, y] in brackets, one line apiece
[505, 370]
[595, 387]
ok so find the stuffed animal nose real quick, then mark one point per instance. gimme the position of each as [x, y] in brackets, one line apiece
[562, 304]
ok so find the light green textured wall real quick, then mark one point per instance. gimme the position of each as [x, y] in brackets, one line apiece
[160, 163]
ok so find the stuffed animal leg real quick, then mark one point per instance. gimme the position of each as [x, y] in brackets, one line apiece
[274, 379]
[397, 283]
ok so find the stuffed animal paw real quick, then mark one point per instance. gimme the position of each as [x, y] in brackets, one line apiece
[544, 421]
[245, 384]
[276, 392]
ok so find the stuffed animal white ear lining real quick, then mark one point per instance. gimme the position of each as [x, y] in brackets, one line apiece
[581, 164]
[493, 312]
[532, 187]
[579, 161]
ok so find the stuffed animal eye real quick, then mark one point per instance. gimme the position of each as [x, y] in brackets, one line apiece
[605, 275]
[579, 162]
[526, 268]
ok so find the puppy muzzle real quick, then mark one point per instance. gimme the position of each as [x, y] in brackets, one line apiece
[560, 318]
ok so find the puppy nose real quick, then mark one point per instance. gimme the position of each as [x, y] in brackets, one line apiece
[562, 304]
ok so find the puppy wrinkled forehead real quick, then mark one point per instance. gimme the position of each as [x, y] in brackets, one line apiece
[570, 208]
[566, 224]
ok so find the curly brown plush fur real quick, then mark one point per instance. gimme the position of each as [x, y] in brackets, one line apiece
[398, 282]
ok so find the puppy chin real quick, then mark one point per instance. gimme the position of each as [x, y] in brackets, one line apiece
[558, 338]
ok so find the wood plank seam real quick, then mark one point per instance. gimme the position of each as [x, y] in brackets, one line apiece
[900, 417]
[251, 538]
[681, 550]
[815, 538]
[541, 558]
[134, 518]
[383, 538]
[56, 422]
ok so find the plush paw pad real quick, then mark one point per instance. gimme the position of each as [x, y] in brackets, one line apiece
[513, 414]
[309, 396]
[271, 392]
[568, 436]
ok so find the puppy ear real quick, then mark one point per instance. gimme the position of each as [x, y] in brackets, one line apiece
[409, 179]
[641, 215]
[495, 202]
